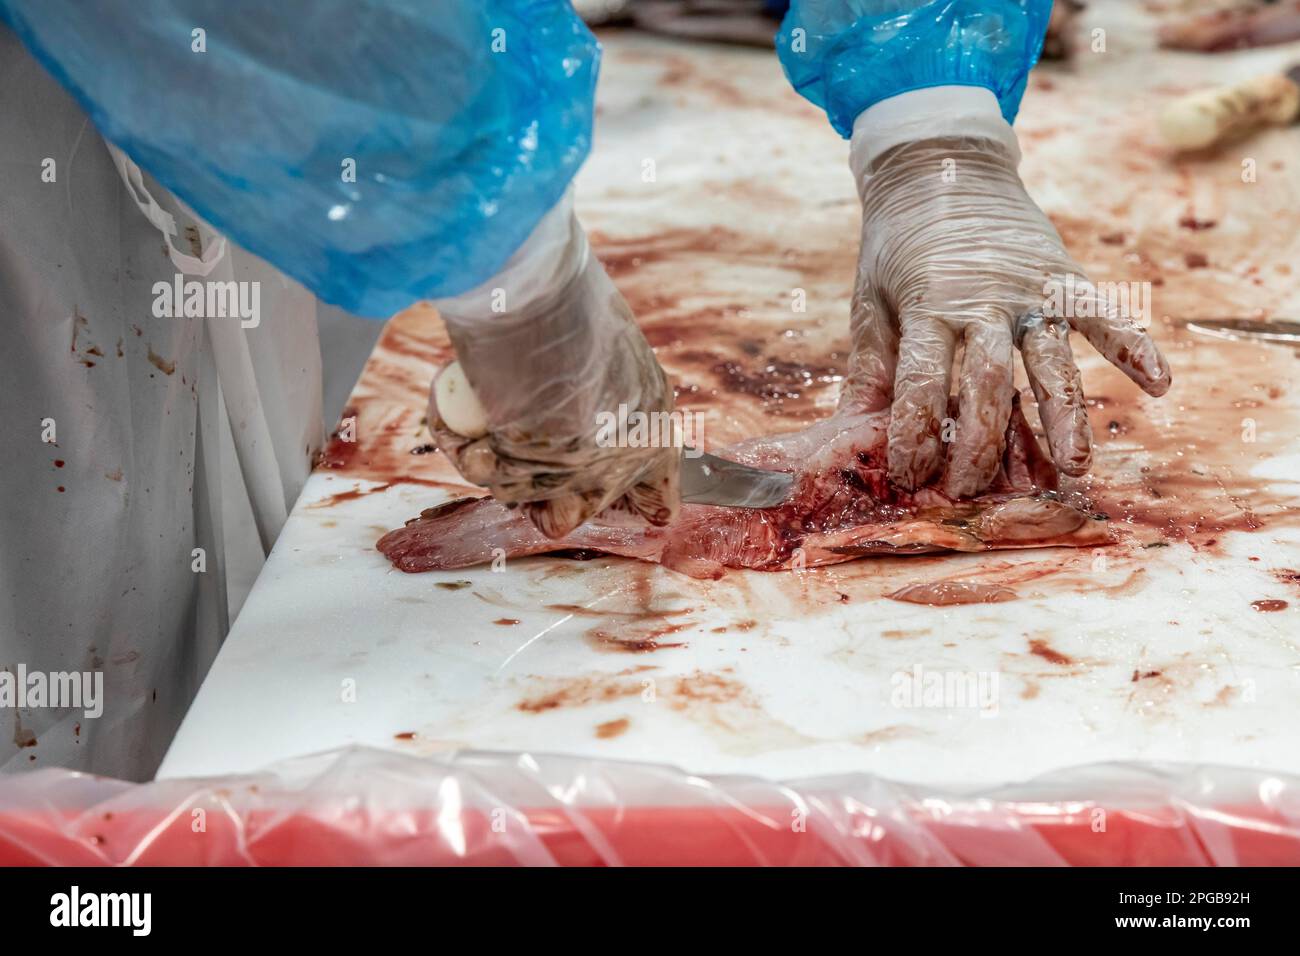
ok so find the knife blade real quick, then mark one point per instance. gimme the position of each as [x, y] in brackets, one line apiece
[709, 480]
[1286, 331]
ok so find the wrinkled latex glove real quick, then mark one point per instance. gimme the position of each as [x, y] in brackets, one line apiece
[557, 358]
[955, 253]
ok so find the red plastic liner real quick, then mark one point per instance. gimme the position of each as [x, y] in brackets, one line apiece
[370, 807]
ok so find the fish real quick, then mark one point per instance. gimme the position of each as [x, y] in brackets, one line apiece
[1234, 29]
[842, 508]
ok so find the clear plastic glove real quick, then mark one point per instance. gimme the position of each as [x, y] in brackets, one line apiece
[954, 252]
[553, 354]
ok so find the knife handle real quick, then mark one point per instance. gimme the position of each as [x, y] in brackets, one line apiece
[1204, 118]
[458, 406]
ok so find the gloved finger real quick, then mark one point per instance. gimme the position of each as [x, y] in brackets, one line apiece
[1054, 378]
[984, 397]
[548, 498]
[1123, 342]
[873, 353]
[924, 376]
[479, 461]
[557, 517]
[473, 457]
[654, 497]
[479, 464]
[657, 496]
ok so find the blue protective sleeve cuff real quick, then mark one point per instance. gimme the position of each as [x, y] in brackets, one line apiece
[847, 55]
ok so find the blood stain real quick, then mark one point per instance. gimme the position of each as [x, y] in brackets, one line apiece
[1269, 604]
[612, 728]
[1040, 648]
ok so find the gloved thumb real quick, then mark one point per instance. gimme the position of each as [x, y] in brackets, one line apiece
[559, 517]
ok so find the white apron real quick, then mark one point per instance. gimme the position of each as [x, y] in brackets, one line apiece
[170, 434]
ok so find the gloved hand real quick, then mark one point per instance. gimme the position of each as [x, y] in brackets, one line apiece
[955, 252]
[554, 355]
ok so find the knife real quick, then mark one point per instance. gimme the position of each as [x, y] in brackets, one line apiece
[705, 479]
[710, 480]
[1284, 331]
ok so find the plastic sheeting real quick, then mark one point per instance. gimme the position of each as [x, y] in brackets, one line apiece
[372, 807]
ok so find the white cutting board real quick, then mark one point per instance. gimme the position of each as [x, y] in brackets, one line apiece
[1128, 653]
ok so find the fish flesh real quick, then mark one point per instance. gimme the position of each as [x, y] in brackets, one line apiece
[1234, 29]
[842, 507]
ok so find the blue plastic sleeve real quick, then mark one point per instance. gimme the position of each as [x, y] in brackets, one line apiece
[848, 55]
[379, 151]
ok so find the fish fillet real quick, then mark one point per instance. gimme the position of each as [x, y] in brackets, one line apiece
[842, 507]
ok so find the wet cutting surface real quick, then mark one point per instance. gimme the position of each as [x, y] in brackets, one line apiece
[1181, 641]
